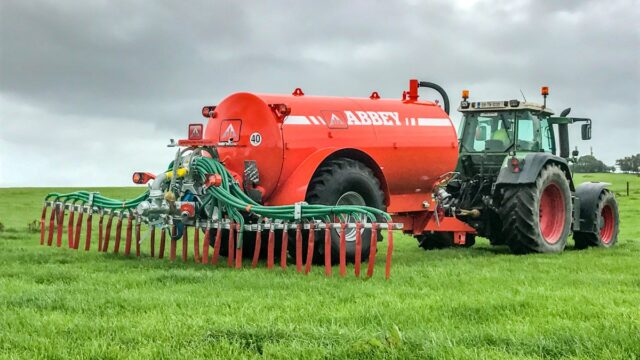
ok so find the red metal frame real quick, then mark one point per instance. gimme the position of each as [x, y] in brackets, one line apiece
[205, 142]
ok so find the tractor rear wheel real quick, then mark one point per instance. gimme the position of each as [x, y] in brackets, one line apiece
[344, 181]
[537, 217]
[606, 215]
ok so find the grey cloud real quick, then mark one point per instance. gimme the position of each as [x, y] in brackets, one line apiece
[116, 66]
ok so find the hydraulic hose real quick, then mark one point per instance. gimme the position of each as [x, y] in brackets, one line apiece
[231, 195]
[440, 90]
[98, 200]
[228, 197]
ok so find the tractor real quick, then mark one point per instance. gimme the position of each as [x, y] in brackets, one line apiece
[515, 187]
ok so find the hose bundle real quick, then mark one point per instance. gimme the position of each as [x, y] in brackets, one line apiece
[233, 200]
[211, 205]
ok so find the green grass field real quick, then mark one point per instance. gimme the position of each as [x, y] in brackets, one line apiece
[456, 303]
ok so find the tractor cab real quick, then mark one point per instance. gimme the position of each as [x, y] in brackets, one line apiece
[513, 184]
[492, 130]
[491, 127]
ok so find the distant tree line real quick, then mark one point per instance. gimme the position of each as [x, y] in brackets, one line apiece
[629, 163]
[589, 164]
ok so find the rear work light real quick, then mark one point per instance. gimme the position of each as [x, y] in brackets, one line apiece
[142, 177]
[515, 165]
[281, 110]
[209, 111]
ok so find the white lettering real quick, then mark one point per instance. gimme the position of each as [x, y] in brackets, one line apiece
[375, 118]
[351, 119]
[385, 118]
[395, 117]
[364, 118]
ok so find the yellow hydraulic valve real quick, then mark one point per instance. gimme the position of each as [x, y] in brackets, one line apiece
[179, 173]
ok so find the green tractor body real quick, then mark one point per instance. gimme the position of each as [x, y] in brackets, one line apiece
[514, 182]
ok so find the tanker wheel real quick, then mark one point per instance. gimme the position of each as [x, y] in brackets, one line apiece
[606, 215]
[537, 217]
[344, 182]
[442, 240]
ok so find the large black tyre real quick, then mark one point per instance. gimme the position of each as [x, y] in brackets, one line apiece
[343, 181]
[537, 217]
[606, 215]
[441, 240]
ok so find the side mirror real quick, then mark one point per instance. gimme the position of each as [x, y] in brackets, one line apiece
[565, 112]
[481, 133]
[586, 131]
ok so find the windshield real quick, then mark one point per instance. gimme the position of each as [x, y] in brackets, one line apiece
[488, 131]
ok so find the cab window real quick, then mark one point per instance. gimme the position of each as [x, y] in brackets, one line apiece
[490, 131]
[546, 132]
[528, 132]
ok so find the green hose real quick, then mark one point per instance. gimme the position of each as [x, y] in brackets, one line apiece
[230, 194]
[98, 200]
[229, 199]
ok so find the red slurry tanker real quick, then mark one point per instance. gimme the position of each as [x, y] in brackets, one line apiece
[385, 153]
[319, 178]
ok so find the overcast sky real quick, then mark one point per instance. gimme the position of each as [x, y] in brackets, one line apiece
[92, 90]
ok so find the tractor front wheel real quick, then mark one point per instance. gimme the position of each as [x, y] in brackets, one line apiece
[537, 217]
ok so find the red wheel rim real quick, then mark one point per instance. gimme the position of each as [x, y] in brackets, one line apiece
[606, 231]
[552, 213]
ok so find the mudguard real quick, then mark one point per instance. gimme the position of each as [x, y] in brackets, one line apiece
[530, 168]
[588, 193]
[294, 188]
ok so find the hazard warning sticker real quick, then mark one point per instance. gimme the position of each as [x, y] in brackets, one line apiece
[334, 119]
[195, 131]
[230, 130]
